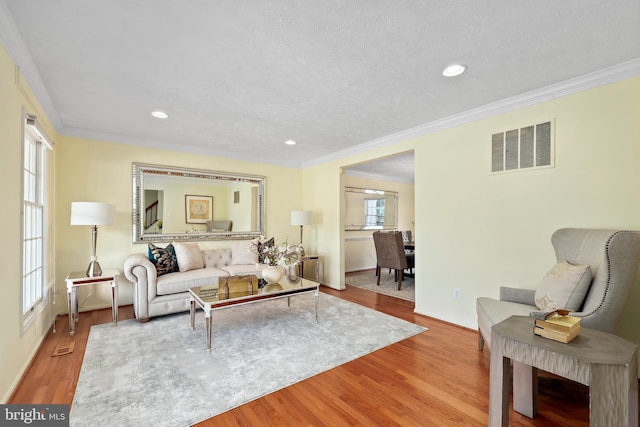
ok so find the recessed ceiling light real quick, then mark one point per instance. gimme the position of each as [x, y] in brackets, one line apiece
[159, 114]
[454, 70]
[290, 142]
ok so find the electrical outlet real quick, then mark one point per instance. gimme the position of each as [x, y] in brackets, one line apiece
[370, 254]
[456, 293]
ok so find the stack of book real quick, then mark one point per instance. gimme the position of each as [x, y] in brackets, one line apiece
[562, 328]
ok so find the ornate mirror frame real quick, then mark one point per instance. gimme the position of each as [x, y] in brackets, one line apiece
[141, 172]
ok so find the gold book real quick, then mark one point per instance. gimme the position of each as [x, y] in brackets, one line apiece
[556, 336]
[557, 323]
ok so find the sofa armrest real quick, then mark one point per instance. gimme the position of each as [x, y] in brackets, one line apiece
[142, 272]
[521, 296]
[135, 260]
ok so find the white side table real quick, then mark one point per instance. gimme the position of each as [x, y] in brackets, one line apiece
[79, 278]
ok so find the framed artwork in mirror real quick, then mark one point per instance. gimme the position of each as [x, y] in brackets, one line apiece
[198, 209]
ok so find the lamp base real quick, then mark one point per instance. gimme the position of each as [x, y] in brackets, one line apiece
[94, 269]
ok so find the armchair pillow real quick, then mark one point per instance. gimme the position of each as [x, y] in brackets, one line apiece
[564, 287]
[188, 255]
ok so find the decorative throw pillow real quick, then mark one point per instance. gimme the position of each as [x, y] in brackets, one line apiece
[163, 258]
[188, 255]
[564, 287]
[262, 245]
[244, 252]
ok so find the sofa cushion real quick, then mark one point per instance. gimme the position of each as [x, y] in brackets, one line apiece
[173, 283]
[564, 287]
[244, 251]
[188, 255]
[164, 259]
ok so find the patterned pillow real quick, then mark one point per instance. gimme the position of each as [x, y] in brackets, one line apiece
[163, 258]
[262, 245]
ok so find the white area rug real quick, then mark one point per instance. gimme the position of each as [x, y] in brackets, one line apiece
[159, 373]
[388, 285]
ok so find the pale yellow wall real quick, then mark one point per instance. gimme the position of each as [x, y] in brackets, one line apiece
[89, 170]
[477, 231]
[359, 251]
[16, 350]
[483, 231]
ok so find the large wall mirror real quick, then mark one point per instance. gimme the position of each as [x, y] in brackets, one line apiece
[172, 203]
[369, 209]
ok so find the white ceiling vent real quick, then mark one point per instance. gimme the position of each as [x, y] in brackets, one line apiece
[528, 147]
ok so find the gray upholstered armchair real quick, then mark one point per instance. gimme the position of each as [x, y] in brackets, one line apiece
[213, 226]
[613, 258]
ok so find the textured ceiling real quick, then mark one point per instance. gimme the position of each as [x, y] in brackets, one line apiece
[240, 77]
[400, 167]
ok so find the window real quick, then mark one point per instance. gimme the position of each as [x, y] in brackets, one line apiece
[524, 148]
[374, 212]
[33, 221]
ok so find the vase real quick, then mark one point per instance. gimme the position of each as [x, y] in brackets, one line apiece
[273, 273]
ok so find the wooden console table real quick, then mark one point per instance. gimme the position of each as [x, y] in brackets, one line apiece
[606, 363]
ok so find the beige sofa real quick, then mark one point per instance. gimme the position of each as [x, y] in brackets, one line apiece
[169, 293]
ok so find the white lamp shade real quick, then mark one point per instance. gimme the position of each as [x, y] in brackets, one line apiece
[92, 213]
[300, 217]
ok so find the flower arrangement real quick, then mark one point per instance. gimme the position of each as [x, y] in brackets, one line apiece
[282, 254]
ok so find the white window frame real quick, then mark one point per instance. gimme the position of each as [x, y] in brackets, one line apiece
[371, 214]
[34, 295]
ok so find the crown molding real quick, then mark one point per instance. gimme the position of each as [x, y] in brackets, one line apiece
[588, 81]
[21, 57]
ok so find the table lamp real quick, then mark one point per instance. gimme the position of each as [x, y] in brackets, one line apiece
[93, 214]
[300, 218]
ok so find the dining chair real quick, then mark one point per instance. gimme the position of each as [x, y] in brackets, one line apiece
[390, 254]
[407, 237]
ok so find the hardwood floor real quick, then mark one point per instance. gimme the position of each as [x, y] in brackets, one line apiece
[437, 378]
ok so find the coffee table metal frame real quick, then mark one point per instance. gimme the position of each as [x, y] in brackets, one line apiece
[195, 301]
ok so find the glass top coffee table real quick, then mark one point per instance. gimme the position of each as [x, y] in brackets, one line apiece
[238, 290]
